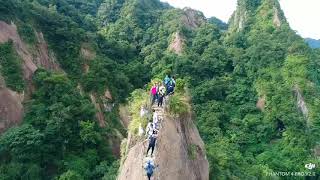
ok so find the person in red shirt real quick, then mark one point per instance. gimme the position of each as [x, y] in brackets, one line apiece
[153, 93]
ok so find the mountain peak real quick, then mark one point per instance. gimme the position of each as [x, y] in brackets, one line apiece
[256, 11]
[192, 18]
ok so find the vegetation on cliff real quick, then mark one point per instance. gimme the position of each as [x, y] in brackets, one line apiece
[254, 88]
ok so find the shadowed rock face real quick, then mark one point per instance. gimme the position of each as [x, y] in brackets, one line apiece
[179, 153]
[9, 32]
[192, 19]
[31, 60]
[301, 103]
[43, 57]
[11, 109]
[99, 114]
[276, 18]
[132, 169]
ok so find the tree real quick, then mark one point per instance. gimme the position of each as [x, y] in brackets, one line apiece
[88, 133]
[23, 143]
[70, 175]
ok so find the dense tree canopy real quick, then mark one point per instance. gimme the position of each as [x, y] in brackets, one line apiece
[245, 86]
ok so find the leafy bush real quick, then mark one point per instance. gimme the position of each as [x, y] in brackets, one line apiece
[137, 99]
[61, 129]
[70, 175]
[26, 32]
[22, 143]
[105, 73]
[112, 171]
[10, 67]
[88, 133]
[178, 105]
[180, 85]
[192, 151]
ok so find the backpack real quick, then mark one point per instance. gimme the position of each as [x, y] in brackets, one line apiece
[152, 140]
[173, 82]
[166, 80]
[149, 168]
[162, 91]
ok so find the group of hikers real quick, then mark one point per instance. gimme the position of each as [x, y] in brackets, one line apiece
[151, 133]
[158, 92]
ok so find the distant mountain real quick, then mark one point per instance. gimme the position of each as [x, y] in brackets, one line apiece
[222, 25]
[313, 43]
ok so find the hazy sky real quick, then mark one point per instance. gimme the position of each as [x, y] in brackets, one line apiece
[303, 15]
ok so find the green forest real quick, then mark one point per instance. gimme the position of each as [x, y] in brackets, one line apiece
[246, 85]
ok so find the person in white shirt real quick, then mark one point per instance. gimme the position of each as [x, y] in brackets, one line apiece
[149, 129]
[161, 94]
[155, 117]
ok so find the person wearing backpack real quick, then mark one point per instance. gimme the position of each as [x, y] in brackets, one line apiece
[173, 81]
[149, 167]
[166, 80]
[158, 89]
[173, 84]
[162, 93]
[152, 142]
[155, 120]
[149, 129]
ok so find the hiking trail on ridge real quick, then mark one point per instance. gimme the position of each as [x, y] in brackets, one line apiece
[179, 152]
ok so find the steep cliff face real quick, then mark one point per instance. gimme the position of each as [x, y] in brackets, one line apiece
[238, 19]
[177, 42]
[43, 57]
[11, 108]
[179, 152]
[9, 32]
[192, 18]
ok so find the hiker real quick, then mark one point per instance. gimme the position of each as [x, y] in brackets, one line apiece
[149, 129]
[157, 87]
[149, 167]
[162, 93]
[152, 142]
[166, 80]
[171, 86]
[155, 120]
[173, 81]
[155, 117]
[153, 93]
[156, 126]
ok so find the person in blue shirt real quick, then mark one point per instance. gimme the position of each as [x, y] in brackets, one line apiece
[166, 80]
[149, 167]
